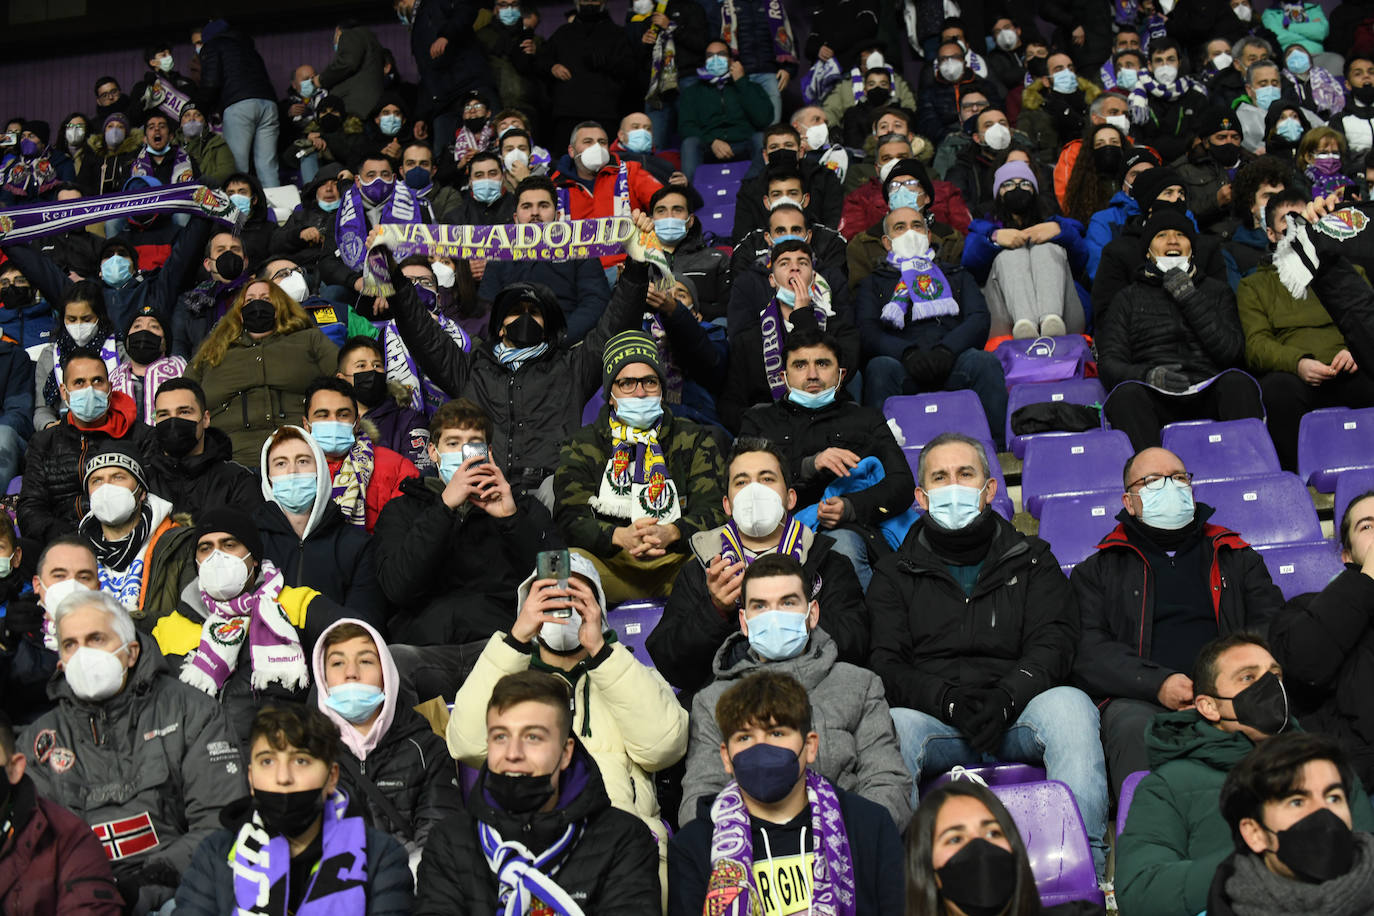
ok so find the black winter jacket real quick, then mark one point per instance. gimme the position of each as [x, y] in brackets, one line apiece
[1122, 257]
[212, 478]
[1146, 327]
[598, 54]
[232, 70]
[286, 238]
[1017, 630]
[824, 206]
[1173, 124]
[966, 331]
[475, 213]
[1115, 589]
[750, 289]
[461, 68]
[612, 870]
[708, 268]
[937, 104]
[451, 574]
[1096, 21]
[336, 558]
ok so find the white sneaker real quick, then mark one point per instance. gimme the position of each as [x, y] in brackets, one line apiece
[1023, 329]
[1052, 326]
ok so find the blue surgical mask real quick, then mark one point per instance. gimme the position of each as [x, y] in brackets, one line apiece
[904, 197]
[390, 124]
[1267, 95]
[670, 229]
[786, 296]
[639, 140]
[329, 206]
[766, 772]
[641, 413]
[116, 269]
[778, 635]
[954, 506]
[294, 492]
[1064, 81]
[717, 65]
[1170, 507]
[1299, 63]
[787, 237]
[509, 15]
[88, 404]
[154, 151]
[307, 88]
[486, 189]
[1126, 77]
[354, 701]
[1289, 129]
[242, 201]
[449, 463]
[813, 401]
[333, 437]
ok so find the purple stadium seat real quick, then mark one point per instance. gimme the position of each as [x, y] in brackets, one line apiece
[1075, 525]
[922, 417]
[1056, 841]
[1300, 568]
[633, 621]
[1334, 440]
[1276, 509]
[1223, 449]
[593, 408]
[1349, 484]
[1001, 503]
[1123, 804]
[718, 219]
[1070, 391]
[1072, 465]
[998, 774]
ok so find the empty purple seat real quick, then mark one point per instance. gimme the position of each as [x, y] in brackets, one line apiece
[1300, 568]
[1223, 449]
[1123, 804]
[718, 183]
[1001, 502]
[1073, 464]
[1056, 841]
[633, 621]
[1070, 391]
[1349, 485]
[1276, 509]
[998, 774]
[1334, 440]
[718, 219]
[922, 417]
[1075, 525]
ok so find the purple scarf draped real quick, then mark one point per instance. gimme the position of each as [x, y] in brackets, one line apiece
[784, 45]
[157, 372]
[774, 336]
[732, 548]
[143, 163]
[351, 480]
[351, 226]
[465, 141]
[261, 864]
[923, 292]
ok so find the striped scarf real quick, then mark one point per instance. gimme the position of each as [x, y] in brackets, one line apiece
[790, 544]
[261, 864]
[1147, 87]
[515, 357]
[636, 484]
[351, 479]
[527, 877]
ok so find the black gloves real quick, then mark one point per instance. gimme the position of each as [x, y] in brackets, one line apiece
[958, 708]
[1178, 283]
[928, 368]
[982, 715]
[1167, 377]
[132, 880]
[23, 617]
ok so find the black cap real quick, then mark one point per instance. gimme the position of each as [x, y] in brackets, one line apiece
[1149, 185]
[1163, 219]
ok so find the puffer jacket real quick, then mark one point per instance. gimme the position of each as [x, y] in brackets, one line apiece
[211, 155]
[286, 238]
[212, 478]
[231, 69]
[260, 385]
[1122, 258]
[52, 863]
[825, 199]
[53, 496]
[611, 870]
[937, 104]
[966, 331]
[1105, 225]
[1280, 331]
[149, 769]
[691, 630]
[104, 170]
[708, 268]
[695, 465]
[536, 407]
[1116, 601]
[859, 750]
[624, 715]
[1017, 629]
[1146, 327]
[1050, 119]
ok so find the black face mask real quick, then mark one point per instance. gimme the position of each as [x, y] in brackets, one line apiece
[590, 12]
[979, 879]
[16, 297]
[519, 794]
[783, 158]
[329, 123]
[1179, 205]
[1018, 200]
[288, 814]
[1225, 155]
[229, 265]
[1108, 159]
[524, 331]
[370, 387]
[1263, 705]
[259, 316]
[177, 436]
[1364, 94]
[475, 124]
[878, 96]
[1317, 848]
[143, 347]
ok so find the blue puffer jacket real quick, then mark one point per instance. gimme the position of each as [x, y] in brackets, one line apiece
[980, 250]
[31, 325]
[1105, 225]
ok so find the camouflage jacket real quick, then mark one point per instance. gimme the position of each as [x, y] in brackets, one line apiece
[695, 465]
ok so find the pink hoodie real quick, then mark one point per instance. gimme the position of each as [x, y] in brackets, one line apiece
[361, 745]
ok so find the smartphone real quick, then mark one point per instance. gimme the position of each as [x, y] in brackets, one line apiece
[9, 139]
[527, 35]
[474, 450]
[555, 564]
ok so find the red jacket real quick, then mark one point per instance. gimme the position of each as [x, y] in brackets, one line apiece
[865, 205]
[388, 470]
[53, 865]
[600, 201]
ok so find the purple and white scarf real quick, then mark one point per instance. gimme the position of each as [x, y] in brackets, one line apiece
[921, 293]
[663, 76]
[731, 885]
[784, 45]
[856, 82]
[425, 396]
[143, 164]
[261, 864]
[274, 646]
[718, 82]
[31, 221]
[25, 177]
[1322, 90]
[823, 76]
[1148, 87]
[732, 548]
[157, 372]
[620, 198]
[351, 225]
[351, 480]
[526, 877]
[465, 142]
[775, 328]
[162, 94]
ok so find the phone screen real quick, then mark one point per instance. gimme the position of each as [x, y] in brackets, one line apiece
[555, 564]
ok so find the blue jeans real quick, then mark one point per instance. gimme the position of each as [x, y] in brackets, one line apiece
[250, 129]
[1059, 729]
[693, 151]
[310, 167]
[769, 83]
[977, 370]
[11, 447]
[853, 545]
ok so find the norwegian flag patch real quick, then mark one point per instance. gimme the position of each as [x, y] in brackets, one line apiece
[126, 837]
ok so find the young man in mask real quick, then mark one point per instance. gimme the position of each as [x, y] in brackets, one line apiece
[703, 606]
[779, 631]
[822, 197]
[780, 829]
[1166, 107]
[199, 308]
[937, 110]
[384, 404]
[1290, 807]
[974, 628]
[1211, 169]
[147, 363]
[722, 113]
[785, 218]
[1135, 652]
[276, 854]
[1356, 120]
[376, 198]
[1176, 835]
[846, 502]
[673, 211]
[194, 465]
[633, 488]
[540, 827]
[149, 800]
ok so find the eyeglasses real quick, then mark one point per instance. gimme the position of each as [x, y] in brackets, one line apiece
[424, 283]
[975, 107]
[911, 184]
[627, 386]
[473, 107]
[6, 284]
[1013, 183]
[1156, 481]
[284, 273]
[107, 94]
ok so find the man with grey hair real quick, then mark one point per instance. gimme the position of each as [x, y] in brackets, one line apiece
[1228, 84]
[974, 631]
[147, 761]
[1264, 87]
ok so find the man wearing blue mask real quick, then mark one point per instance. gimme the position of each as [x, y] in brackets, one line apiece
[635, 142]
[1263, 87]
[487, 201]
[633, 487]
[779, 631]
[298, 114]
[673, 212]
[1137, 643]
[974, 631]
[1055, 106]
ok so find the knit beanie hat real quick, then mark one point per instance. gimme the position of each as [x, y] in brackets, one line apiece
[116, 453]
[625, 348]
[1014, 169]
[231, 521]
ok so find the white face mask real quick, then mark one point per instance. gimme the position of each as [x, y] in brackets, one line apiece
[113, 504]
[1243, 12]
[562, 636]
[1120, 122]
[82, 333]
[642, 7]
[223, 575]
[94, 674]
[1007, 39]
[594, 157]
[443, 274]
[757, 510]
[997, 137]
[910, 244]
[294, 286]
[55, 594]
[1222, 61]
[886, 169]
[874, 60]
[952, 70]
[817, 135]
[6, 564]
[515, 155]
[1166, 73]
[1167, 262]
